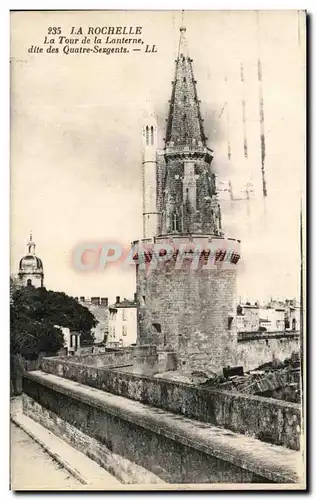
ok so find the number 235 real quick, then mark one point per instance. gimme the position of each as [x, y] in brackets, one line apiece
[54, 31]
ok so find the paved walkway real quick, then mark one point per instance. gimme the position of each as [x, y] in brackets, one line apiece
[34, 469]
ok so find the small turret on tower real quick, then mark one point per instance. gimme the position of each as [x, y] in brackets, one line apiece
[31, 245]
[149, 173]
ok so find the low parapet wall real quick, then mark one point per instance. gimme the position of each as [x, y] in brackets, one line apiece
[267, 419]
[114, 357]
[121, 434]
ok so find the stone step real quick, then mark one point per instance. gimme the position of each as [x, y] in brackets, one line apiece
[79, 465]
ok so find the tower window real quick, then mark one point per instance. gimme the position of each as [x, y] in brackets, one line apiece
[147, 135]
[175, 222]
[151, 135]
[157, 327]
[29, 283]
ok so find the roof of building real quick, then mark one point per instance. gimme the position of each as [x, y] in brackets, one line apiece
[249, 306]
[30, 262]
[123, 304]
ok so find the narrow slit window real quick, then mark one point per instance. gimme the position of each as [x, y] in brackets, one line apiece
[147, 135]
[151, 135]
[175, 222]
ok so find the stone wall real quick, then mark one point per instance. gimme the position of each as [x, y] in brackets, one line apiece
[98, 306]
[112, 430]
[115, 357]
[134, 359]
[270, 420]
[125, 470]
[254, 352]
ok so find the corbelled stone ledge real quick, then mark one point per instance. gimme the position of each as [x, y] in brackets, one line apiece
[157, 439]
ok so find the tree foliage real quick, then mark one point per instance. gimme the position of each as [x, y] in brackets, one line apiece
[36, 314]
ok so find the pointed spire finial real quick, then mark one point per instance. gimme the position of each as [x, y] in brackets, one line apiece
[31, 244]
[183, 44]
[182, 27]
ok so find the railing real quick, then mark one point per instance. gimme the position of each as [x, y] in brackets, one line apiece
[284, 334]
[188, 149]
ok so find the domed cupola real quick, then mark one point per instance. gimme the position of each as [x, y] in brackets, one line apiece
[31, 267]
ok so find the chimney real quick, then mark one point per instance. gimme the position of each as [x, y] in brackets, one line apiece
[104, 301]
[117, 299]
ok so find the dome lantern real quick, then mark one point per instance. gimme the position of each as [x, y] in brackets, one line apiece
[31, 272]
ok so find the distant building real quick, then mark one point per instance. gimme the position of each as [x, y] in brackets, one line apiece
[275, 316]
[264, 324]
[292, 315]
[240, 322]
[122, 323]
[31, 272]
[98, 306]
[247, 318]
[71, 340]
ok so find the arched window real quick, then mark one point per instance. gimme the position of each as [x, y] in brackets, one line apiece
[147, 135]
[29, 283]
[151, 135]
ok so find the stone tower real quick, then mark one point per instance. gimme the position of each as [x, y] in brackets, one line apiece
[149, 173]
[190, 308]
[31, 267]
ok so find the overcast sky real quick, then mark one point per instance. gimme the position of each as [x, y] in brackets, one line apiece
[76, 139]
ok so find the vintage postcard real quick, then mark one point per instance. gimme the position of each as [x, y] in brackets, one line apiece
[157, 281]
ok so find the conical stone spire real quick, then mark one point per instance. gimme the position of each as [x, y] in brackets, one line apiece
[184, 127]
[188, 198]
